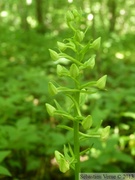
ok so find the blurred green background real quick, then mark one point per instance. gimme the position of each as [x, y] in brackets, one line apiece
[28, 136]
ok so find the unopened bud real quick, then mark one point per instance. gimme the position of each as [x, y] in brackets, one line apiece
[50, 109]
[59, 70]
[52, 89]
[79, 35]
[69, 16]
[74, 71]
[87, 122]
[61, 46]
[62, 71]
[76, 13]
[90, 63]
[96, 43]
[72, 46]
[101, 82]
[54, 55]
[63, 164]
[105, 132]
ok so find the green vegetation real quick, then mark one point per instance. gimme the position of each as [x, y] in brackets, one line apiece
[28, 135]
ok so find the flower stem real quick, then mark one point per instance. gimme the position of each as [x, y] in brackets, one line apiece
[76, 140]
[76, 149]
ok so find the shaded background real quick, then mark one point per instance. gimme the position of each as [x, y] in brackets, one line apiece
[27, 30]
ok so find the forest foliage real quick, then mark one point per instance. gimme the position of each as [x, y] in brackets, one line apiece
[28, 135]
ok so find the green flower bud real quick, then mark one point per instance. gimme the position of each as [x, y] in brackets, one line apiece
[74, 71]
[59, 70]
[101, 82]
[90, 63]
[52, 89]
[50, 109]
[76, 13]
[72, 46]
[83, 97]
[63, 164]
[54, 55]
[61, 46]
[79, 35]
[87, 122]
[62, 71]
[105, 132]
[96, 43]
[69, 16]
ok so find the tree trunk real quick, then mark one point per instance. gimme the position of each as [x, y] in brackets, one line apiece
[112, 5]
[22, 8]
[39, 15]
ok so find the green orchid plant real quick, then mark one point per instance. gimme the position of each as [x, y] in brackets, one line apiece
[75, 72]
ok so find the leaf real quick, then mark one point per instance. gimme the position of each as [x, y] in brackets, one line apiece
[129, 114]
[120, 156]
[4, 171]
[64, 114]
[65, 127]
[23, 123]
[66, 153]
[70, 150]
[86, 150]
[58, 105]
[3, 155]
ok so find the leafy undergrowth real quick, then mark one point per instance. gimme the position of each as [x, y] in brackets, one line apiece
[29, 137]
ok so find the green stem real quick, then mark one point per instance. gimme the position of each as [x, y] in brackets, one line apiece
[76, 149]
[76, 125]
[76, 140]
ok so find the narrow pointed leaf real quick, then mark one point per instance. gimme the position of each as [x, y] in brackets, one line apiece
[58, 105]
